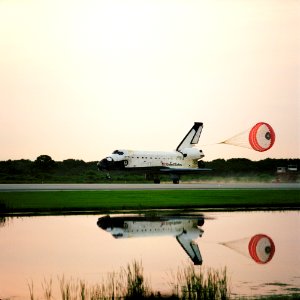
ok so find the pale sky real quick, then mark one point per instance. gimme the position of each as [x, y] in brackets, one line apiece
[79, 79]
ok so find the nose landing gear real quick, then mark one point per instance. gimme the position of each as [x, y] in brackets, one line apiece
[175, 178]
[157, 180]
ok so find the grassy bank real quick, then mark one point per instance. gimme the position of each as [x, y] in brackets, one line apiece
[130, 283]
[64, 201]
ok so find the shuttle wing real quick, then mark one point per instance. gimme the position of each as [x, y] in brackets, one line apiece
[190, 247]
[183, 170]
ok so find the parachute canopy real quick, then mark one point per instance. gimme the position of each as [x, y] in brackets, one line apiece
[261, 248]
[261, 137]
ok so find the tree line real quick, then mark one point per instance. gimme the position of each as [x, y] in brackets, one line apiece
[45, 169]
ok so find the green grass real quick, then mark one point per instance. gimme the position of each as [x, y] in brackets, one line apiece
[64, 201]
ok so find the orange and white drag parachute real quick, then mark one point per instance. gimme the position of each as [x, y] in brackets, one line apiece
[261, 137]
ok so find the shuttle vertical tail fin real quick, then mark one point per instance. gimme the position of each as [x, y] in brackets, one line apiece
[192, 137]
[191, 248]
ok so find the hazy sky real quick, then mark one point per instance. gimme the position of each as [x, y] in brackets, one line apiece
[79, 79]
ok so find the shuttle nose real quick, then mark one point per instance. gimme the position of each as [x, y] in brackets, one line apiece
[105, 164]
[104, 222]
[101, 165]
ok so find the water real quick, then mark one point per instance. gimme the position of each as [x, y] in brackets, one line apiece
[39, 248]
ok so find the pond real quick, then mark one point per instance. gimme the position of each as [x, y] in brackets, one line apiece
[260, 250]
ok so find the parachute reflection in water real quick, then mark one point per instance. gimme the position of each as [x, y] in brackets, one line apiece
[260, 137]
[260, 248]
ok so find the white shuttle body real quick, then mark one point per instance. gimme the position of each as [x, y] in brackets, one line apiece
[185, 229]
[184, 160]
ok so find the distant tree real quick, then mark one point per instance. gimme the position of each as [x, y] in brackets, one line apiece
[72, 167]
[219, 166]
[8, 167]
[73, 163]
[23, 166]
[44, 163]
[270, 165]
[240, 165]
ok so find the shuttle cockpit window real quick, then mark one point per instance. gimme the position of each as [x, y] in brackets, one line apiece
[118, 152]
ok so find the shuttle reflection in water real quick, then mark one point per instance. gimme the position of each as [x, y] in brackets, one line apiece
[259, 247]
[186, 229]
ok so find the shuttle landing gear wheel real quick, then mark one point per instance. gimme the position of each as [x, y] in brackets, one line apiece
[157, 180]
[175, 178]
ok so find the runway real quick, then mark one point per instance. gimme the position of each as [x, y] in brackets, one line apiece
[182, 186]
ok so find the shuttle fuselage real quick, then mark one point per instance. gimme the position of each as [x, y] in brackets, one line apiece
[184, 160]
[185, 229]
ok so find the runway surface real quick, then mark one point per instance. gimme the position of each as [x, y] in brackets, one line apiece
[182, 186]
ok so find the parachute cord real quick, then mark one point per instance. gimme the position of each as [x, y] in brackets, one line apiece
[208, 144]
[240, 139]
[236, 136]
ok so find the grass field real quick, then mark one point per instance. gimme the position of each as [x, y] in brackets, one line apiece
[104, 201]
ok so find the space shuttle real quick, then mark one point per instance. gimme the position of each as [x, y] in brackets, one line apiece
[186, 159]
[186, 229]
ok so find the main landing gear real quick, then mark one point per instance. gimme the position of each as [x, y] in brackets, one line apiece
[174, 178]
